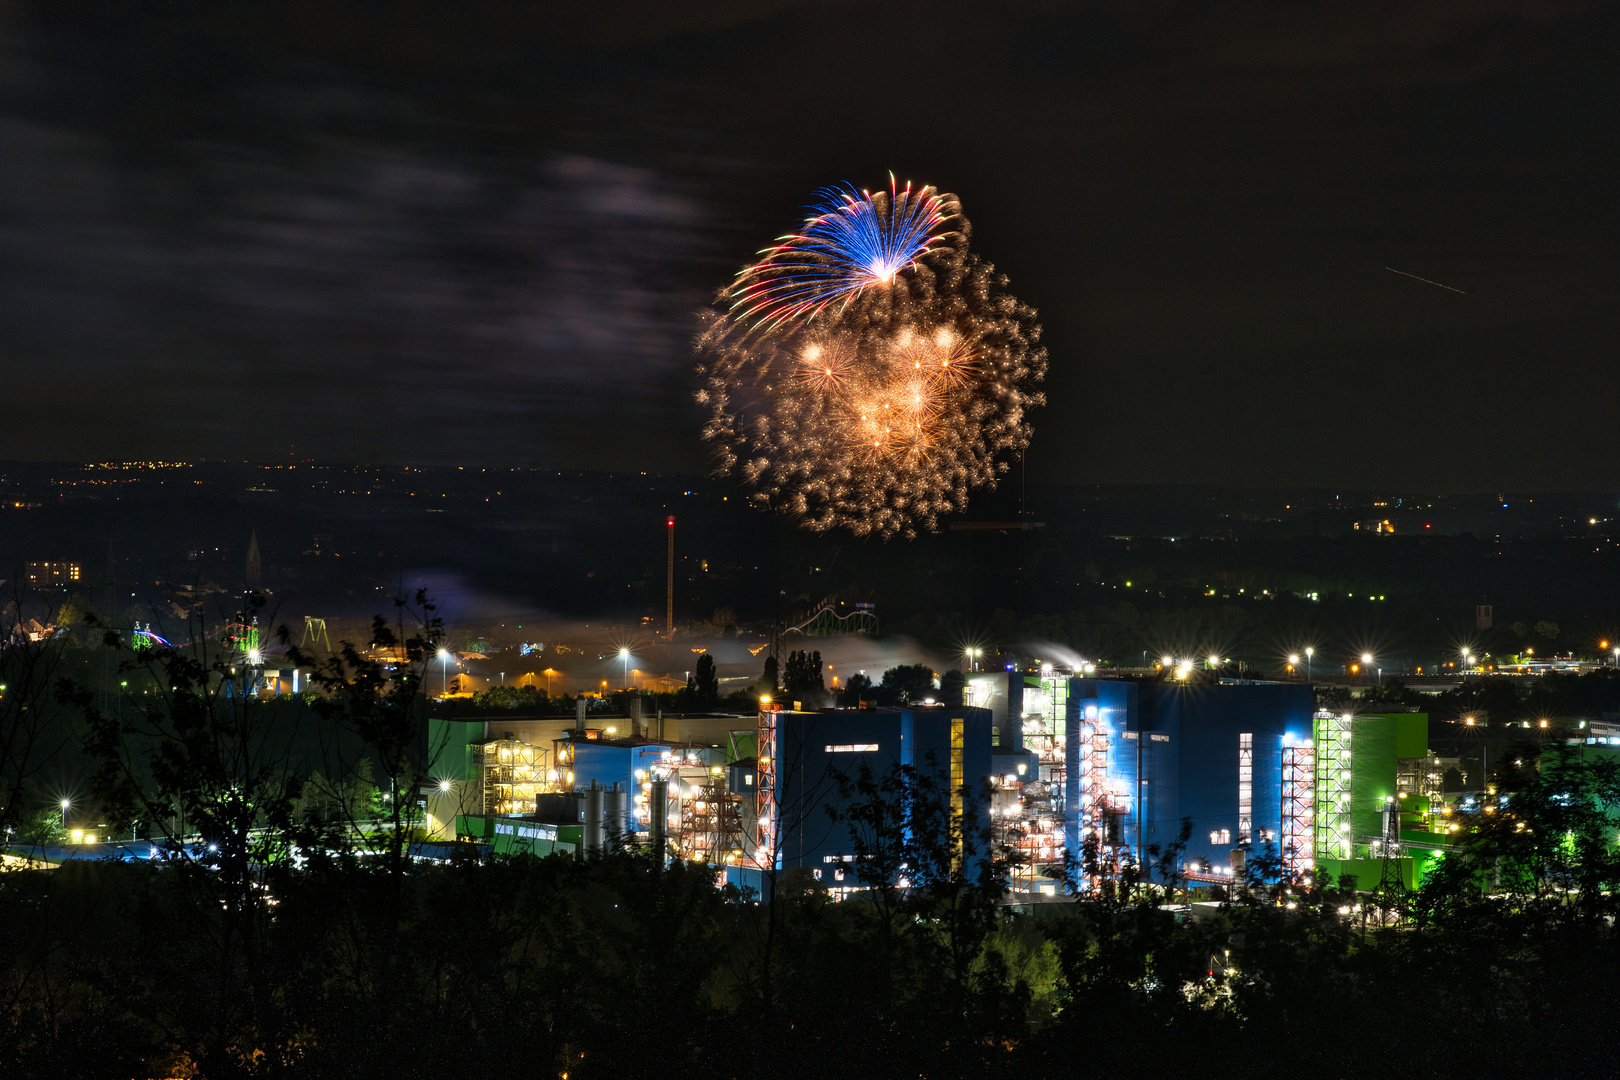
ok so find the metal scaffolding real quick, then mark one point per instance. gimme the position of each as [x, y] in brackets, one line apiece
[1299, 810]
[1101, 810]
[1332, 811]
[702, 817]
[1246, 787]
[514, 772]
[1027, 811]
[1434, 792]
[711, 825]
[765, 791]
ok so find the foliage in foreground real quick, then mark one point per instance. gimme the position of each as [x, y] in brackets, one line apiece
[287, 932]
[616, 968]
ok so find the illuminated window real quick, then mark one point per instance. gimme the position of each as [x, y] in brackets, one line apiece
[1220, 836]
[1245, 787]
[853, 748]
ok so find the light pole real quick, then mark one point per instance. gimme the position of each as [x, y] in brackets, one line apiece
[1293, 662]
[1465, 657]
[624, 654]
[65, 805]
[1366, 662]
[444, 672]
[1308, 654]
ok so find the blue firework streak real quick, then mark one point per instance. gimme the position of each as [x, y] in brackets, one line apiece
[854, 240]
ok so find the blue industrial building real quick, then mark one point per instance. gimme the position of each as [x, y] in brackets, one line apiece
[1210, 753]
[607, 763]
[813, 748]
[1055, 758]
[631, 765]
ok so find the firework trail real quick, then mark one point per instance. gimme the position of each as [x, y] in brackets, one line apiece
[869, 371]
[854, 240]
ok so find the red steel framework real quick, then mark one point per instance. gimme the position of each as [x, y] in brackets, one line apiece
[1299, 810]
[765, 790]
[710, 824]
[1095, 804]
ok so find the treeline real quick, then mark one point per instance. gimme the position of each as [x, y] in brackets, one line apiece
[800, 679]
[338, 964]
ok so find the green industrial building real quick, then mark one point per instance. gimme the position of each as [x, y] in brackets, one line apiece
[1376, 785]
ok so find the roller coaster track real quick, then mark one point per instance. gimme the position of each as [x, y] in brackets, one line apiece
[828, 623]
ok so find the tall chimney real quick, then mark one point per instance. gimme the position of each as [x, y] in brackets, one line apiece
[658, 821]
[254, 574]
[618, 816]
[594, 825]
[669, 588]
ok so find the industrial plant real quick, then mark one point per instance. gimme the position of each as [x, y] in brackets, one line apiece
[1074, 780]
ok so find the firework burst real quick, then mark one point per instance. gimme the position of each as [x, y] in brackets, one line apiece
[853, 241]
[869, 371]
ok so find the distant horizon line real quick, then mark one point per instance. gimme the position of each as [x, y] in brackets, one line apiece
[157, 465]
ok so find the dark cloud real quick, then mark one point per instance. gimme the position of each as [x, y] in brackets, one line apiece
[383, 231]
[356, 298]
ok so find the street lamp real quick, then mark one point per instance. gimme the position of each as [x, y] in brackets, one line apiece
[1308, 654]
[1293, 662]
[444, 672]
[65, 804]
[624, 654]
[1366, 661]
[1466, 655]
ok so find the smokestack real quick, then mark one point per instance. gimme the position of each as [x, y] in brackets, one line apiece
[618, 816]
[1012, 725]
[658, 821]
[254, 576]
[669, 588]
[579, 714]
[593, 821]
[635, 713]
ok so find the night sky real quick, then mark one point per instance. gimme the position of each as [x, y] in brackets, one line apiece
[477, 233]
